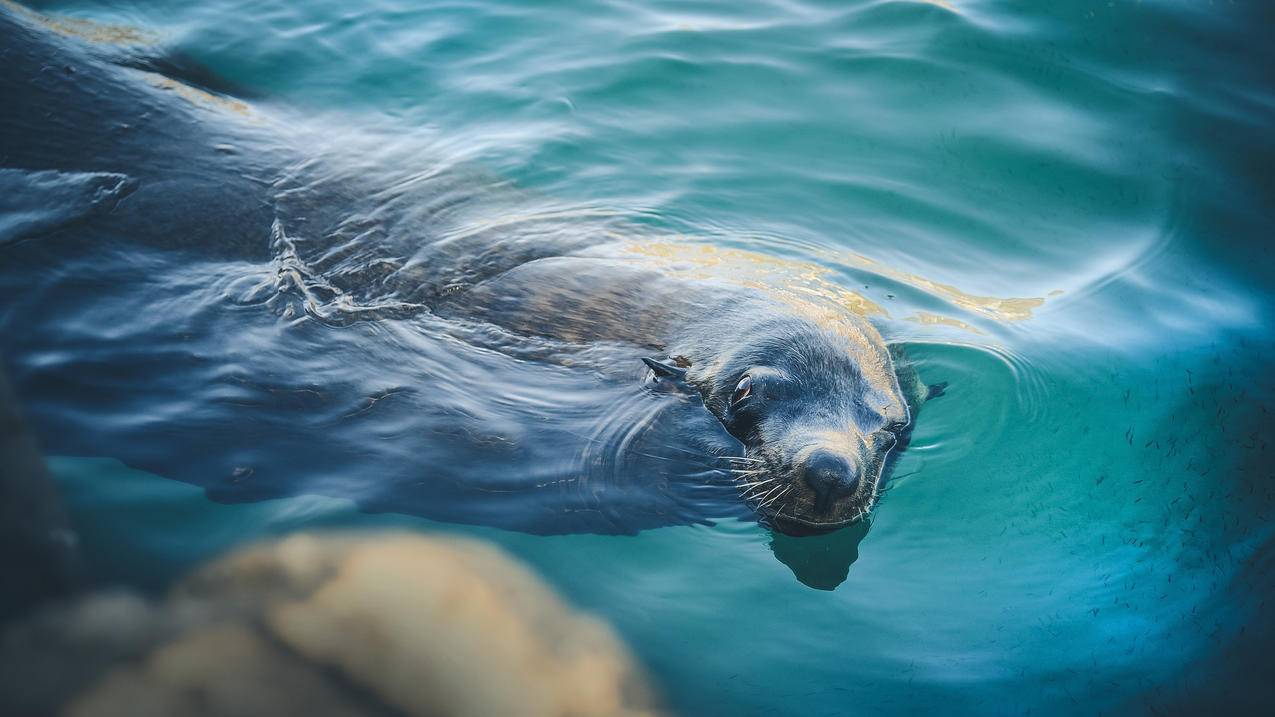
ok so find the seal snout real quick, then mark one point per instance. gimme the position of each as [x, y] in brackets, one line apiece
[831, 477]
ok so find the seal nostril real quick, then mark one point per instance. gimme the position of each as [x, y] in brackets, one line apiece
[831, 477]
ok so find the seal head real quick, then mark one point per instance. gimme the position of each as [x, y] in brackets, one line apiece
[818, 412]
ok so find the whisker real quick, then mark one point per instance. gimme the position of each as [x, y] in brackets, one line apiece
[771, 502]
[754, 493]
[769, 492]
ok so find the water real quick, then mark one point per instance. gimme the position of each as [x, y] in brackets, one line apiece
[1061, 211]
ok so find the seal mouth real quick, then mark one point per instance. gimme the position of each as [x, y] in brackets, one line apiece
[796, 526]
[791, 523]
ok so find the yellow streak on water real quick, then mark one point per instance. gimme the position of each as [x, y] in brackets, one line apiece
[783, 277]
[194, 95]
[1000, 309]
[86, 29]
[106, 34]
[925, 317]
[810, 281]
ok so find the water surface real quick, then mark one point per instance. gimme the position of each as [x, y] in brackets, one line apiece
[1061, 211]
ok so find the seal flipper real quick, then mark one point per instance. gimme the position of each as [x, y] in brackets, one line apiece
[37, 203]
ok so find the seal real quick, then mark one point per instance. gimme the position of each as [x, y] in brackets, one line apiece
[103, 141]
[811, 392]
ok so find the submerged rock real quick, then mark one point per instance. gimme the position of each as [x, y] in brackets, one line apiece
[396, 624]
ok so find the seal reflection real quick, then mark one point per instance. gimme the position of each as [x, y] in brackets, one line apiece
[820, 561]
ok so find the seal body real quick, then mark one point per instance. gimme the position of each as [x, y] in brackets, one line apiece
[801, 393]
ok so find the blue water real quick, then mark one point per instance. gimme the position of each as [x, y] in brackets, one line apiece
[1061, 209]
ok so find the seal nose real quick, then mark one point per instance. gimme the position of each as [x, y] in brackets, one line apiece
[831, 477]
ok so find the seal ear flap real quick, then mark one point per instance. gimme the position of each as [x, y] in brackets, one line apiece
[664, 370]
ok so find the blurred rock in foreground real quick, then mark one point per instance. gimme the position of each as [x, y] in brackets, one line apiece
[36, 541]
[388, 625]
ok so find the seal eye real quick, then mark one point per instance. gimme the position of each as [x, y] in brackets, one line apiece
[742, 390]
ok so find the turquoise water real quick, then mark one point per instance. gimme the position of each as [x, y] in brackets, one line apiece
[1061, 210]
